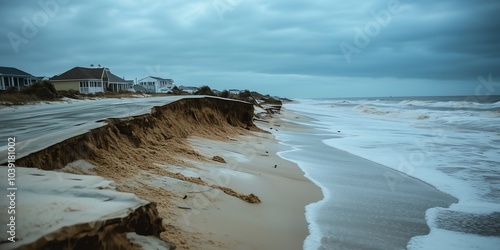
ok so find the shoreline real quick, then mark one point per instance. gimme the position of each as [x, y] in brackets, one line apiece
[285, 121]
[357, 196]
[391, 133]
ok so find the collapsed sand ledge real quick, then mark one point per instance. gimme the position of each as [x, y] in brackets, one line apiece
[127, 147]
[180, 119]
[65, 211]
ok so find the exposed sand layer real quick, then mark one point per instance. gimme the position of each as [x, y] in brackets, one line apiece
[255, 200]
[40, 125]
[58, 211]
[208, 117]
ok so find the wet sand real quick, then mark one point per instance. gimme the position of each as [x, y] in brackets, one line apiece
[278, 222]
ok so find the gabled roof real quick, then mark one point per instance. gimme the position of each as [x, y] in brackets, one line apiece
[13, 72]
[114, 79]
[79, 73]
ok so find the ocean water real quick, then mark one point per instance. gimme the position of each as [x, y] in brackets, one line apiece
[451, 143]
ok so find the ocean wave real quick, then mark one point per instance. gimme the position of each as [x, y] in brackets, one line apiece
[368, 109]
[494, 113]
[449, 104]
[404, 114]
[415, 103]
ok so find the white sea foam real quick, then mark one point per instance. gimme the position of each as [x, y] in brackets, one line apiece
[452, 145]
[439, 239]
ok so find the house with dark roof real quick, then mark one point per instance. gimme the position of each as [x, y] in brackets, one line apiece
[90, 80]
[154, 84]
[13, 77]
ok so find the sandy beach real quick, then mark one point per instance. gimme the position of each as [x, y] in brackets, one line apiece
[215, 177]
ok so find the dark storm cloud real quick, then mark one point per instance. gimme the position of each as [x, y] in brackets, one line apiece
[214, 41]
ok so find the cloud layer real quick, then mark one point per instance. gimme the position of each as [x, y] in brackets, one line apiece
[315, 48]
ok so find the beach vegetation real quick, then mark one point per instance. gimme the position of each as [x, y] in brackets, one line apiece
[225, 94]
[204, 90]
[176, 91]
[40, 91]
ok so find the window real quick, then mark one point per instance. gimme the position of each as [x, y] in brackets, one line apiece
[84, 87]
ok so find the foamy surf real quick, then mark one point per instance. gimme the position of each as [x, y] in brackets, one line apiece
[452, 144]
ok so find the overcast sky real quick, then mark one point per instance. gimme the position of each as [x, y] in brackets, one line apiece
[293, 48]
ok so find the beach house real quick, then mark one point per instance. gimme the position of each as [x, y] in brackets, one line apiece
[90, 80]
[13, 77]
[154, 84]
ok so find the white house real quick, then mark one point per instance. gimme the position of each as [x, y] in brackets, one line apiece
[154, 84]
[13, 77]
